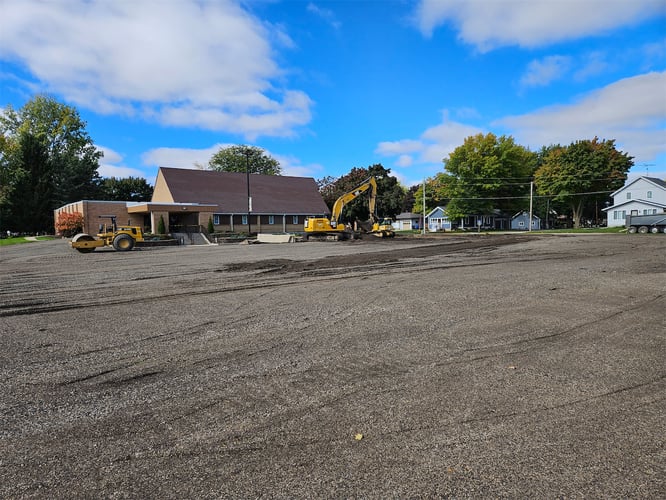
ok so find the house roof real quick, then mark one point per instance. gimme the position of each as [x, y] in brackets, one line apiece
[525, 213]
[436, 209]
[407, 215]
[657, 182]
[271, 194]
[636, 201]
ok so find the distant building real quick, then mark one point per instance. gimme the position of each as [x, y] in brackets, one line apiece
[407, 221]
[438, 221]
[642, 196]
[520, 222]
[186, 199]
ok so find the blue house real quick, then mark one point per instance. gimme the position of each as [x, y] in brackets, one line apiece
[520, 222]
[438, 221]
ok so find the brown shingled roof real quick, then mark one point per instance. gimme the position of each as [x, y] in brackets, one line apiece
[271, 194]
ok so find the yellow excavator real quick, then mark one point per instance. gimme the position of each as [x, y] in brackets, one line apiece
[333, 229]
[121, 238]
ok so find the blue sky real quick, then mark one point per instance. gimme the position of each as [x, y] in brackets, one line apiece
[325, 86]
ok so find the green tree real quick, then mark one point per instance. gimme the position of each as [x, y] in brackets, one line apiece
[409, 200]
[161, 227]
[485, 173]
[582, 174]
[241, 158]
[30, 202]
[435, 193]
[127, 189]
[389, 199]
[47, 159]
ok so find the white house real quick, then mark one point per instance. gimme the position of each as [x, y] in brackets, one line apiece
[406, 221]
[642, 196]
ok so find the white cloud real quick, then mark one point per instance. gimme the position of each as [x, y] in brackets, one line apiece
[293, 166]
[433, 145]
[632, 111]
[111, 166]
[392, 148]
[544, 71]
[404, 161]
[326, 14]
[593, 63]
[180, 157]
[198, 158]
[488, 24]
[203, 63]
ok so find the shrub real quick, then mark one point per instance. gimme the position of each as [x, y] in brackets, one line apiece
[68, 224]
[161, 228]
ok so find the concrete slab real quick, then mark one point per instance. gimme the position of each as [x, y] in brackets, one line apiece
[275, 238]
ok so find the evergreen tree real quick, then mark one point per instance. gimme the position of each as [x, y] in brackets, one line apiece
[47, 159]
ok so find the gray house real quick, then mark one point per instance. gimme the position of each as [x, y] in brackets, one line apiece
[520, 222]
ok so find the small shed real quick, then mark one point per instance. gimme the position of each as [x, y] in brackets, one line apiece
[520, 221]
[407, 221]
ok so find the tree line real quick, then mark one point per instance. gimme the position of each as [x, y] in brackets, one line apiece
[47, 159]
[489, 173]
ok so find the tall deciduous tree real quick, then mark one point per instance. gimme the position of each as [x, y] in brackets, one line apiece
[436, 193]
[47, 159]
[485, 173]
[241, 158]
[389, 198]
[127, 189]
[582, 173]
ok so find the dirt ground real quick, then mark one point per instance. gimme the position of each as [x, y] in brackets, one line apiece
[505, 366]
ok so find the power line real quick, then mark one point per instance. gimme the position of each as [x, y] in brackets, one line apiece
[527, 196]
[464, 182]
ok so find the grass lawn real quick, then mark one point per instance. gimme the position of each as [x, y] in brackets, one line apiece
[22, 239]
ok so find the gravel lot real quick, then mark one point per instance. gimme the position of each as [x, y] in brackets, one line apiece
[467, 366]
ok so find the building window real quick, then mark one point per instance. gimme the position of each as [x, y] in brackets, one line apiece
[294, 219]
[244, 220]
[628, 195]
[649, 194]
[216, 219]
[271, 219]
[654, 211]
[633, 212]
[521, 223]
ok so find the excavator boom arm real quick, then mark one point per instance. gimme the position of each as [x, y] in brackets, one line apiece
[368, 184]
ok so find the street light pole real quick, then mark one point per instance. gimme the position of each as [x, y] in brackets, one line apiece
[249, 199]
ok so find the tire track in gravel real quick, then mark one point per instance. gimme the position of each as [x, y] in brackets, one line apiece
[271, 274]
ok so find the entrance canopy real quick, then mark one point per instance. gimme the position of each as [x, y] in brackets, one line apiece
[149, 207]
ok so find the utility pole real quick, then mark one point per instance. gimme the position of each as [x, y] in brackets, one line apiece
[424, 209]
[531, 188]
[249, 198]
